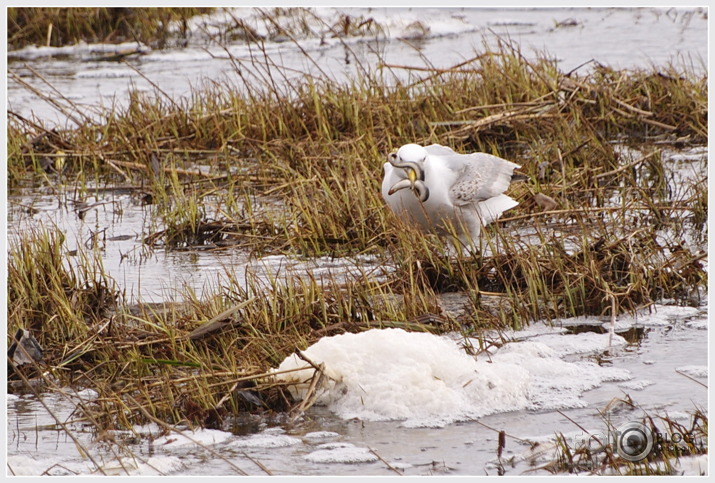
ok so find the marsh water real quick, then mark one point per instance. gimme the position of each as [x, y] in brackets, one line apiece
[664, 352]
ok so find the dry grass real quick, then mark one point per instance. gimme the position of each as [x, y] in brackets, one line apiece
[61, 26]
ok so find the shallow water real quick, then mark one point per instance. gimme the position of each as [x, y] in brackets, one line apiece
[672, 341]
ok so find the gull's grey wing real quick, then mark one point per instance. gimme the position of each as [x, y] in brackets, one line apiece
[481, 176]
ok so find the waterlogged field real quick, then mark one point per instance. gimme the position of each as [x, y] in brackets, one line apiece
[206, 260]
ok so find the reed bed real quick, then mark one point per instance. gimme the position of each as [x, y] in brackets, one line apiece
[61, 26]
[295, 168]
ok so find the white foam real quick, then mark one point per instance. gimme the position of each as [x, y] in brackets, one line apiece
[555, 383]
[660, 316]
[148, 429]
[428, 380]
[585, 342]
[200, 436]
[636, 385]
[699, 324]
[21, 465]
[682, 466]
[156, 465]
[86, 394]
[81, 49]
[263, 440]
[694, 371]
[160, 465]
[341, 453]
[317, 25]
[691, 465]
[320, 435]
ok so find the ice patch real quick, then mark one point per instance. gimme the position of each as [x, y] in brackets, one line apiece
[201, 436]
[341, 453]
[428, 380]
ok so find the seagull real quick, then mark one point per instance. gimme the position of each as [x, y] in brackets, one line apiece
[437, 188]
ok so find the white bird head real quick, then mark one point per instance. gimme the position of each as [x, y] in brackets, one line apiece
[410, 158]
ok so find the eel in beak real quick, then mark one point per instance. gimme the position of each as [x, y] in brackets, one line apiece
[415, 178]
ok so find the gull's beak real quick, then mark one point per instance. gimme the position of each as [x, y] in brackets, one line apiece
[415, 177]
[412, 176]
[405, 183]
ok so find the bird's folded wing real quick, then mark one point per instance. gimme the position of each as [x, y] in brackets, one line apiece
[481, 176]
[439, 150]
